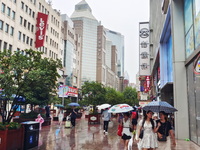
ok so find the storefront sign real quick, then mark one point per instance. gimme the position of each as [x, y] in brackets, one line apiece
[40, 29]
[144, 60]
[65, 91]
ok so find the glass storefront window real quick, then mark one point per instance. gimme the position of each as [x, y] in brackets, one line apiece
[189, 42]
[197, 22]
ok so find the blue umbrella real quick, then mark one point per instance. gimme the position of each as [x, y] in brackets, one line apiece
[73, 104]
[157, 106]
[59, 106]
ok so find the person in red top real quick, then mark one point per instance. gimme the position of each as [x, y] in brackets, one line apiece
[134, 118]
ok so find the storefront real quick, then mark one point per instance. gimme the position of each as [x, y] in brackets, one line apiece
[192, 47]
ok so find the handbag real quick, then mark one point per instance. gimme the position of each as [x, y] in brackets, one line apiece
[131, 129]
[119, 130]
[141, 134]
[164, 137]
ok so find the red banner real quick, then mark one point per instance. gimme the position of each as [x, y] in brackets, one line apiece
[40, 29]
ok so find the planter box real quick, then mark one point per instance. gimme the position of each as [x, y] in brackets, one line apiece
[47, 121]
[94, 119]
[12, 139]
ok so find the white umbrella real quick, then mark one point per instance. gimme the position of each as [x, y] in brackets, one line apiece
[120, 108]
[104, 106]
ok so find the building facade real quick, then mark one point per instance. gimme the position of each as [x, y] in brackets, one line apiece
[85, 25]
[117, 40]
[175, 61]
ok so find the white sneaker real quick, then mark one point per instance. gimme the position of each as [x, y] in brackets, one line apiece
[106, 133]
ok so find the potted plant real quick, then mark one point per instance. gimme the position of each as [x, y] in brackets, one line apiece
[11, 135]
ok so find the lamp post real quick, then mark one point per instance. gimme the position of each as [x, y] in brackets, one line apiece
[64, 77]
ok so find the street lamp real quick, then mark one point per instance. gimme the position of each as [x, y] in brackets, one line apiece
[64, 77]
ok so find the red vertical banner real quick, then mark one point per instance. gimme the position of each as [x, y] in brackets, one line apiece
[40, 29]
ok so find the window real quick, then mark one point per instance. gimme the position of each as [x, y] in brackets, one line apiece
[5, 45]
[13, 15]
[8, 11]
[3, 7]
[6, 28]
[24, 38]
[10, 47]
[39, 6]
[21, 20]
[32, 28]
[14, 1]
[19, 35]
[22, 5]
[27, 40]
[34, 2]
[18, 49]
[43, 9]
[26, 9]
[1, 25]
[33, 14]
[29, 25]
[31, 42]
[25, 22]
[30, 11]
[0, 44]
[11, 31]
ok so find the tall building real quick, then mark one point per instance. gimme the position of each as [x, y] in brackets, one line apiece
[117, 40]
[71, 52]
[106, 60]
[85, 25]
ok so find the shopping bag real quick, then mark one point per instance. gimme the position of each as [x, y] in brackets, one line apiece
[119, 130]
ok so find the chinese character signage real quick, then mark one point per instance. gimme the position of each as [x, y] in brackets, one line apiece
[65, 91]
[40, 29]
[144, 60]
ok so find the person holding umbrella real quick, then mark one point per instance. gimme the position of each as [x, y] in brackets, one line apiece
[73, 115]
[106, 118]
[164, 130]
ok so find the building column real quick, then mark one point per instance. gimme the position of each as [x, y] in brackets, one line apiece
[179, 69]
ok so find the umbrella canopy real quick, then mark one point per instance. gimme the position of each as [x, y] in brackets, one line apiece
[73, 104]
[59, 106]
[157, 106]
[103, 106]
[120, 108]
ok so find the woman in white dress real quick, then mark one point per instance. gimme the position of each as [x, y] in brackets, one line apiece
[60, 116]
[126, 133]
[149, 140]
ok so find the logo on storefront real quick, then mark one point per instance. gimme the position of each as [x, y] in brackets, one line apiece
[197, 65]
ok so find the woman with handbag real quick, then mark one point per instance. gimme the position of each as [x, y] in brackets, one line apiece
[165, 129]
[127, 129]
[148, 141]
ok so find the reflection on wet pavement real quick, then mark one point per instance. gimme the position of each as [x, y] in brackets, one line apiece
[88, 137]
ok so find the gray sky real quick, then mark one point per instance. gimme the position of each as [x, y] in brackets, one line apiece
[122, 16]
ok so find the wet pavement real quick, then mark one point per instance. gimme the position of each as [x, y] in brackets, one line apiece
[89, 137]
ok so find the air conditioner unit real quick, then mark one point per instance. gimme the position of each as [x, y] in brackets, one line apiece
[164, 6]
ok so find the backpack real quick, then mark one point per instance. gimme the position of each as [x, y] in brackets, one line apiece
[134, 115]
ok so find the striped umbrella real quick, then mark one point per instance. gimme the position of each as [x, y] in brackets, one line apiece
[157, 106]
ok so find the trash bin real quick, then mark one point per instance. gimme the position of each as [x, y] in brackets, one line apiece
[31, 134]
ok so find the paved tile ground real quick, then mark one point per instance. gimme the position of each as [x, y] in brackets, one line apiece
[89, 137]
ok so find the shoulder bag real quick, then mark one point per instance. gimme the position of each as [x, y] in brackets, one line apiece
[164, 137]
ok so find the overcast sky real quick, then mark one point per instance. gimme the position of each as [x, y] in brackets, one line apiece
[122, 16]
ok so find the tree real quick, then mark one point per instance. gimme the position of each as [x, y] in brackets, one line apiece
[93, 93]
[130, 96]
[113, 97]
[29, 76]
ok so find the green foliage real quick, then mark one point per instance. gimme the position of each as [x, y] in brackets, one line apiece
[30, 115]
[29, 76]
[130, 96]
[10, 126]
[113, 97]
[93, 93]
